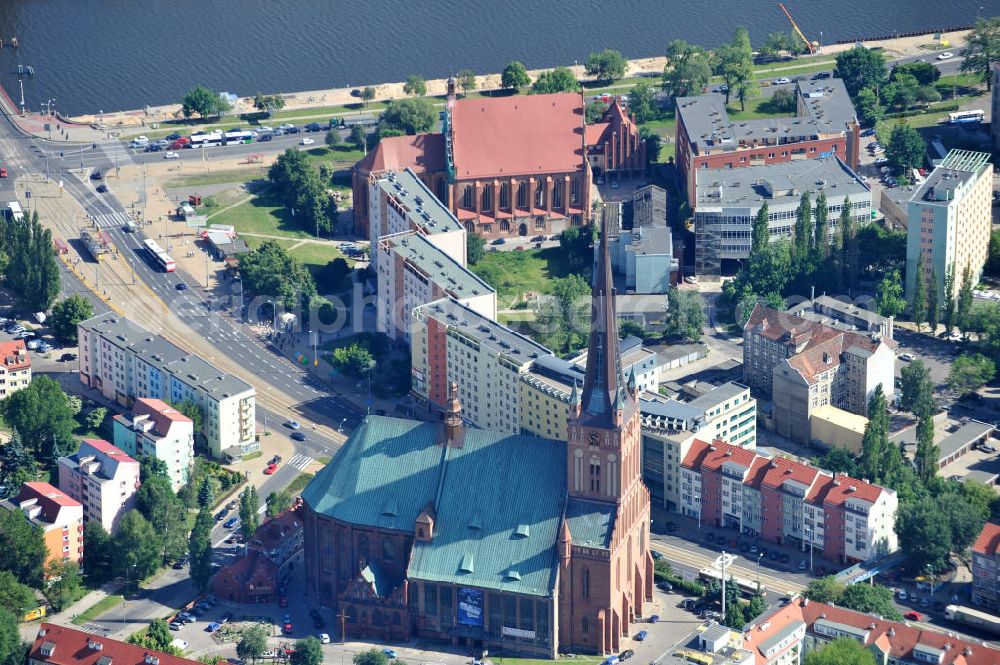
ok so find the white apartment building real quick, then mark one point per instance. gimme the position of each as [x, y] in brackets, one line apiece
[157, 429]
[103, 478]
[399, 202]
[949, 219]
[15, 367]
[412, 271]
[125, 362]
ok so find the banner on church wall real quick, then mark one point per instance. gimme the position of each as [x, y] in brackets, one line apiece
[470, 607]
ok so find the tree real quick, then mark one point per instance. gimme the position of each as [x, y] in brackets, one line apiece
[757, 606]
[850, 260]
[606, 65]
[642, 102]
[249, 517]
[138, 546]
[367, 94]
[964, 305]
[770, 270]
[905, 89]
[410, 116]
[308, 651]
[66, 314]
[821, 239]
[156, 501]
[916, 388]
[373, 656]
[925, 72]
[277, 503]
[415, 86]
[41, 414]
[735, 66]
[783, 101]
[860, 68]
[100, 561]
[760, 236]
[475, 248]
[158, 636]
[982, 49]
[906, 149]
[514, 76]
[685, 314]
[298, 186]
[15, 596]
[653, 144]
[923, 532]
[32, 271]
[889, 295]
[63, 586]
[269, 103]
[773, 44]
[965, 520]
[354, 359]
[467, 80]
[200, 548]
[841, 651]
[332, 138]
[933, 307]
[270, 270]
[949, 299]
[734, 616]
[687, 70]
[970, 372]
[560, 79]
[803, 229]
[96, 417]
[825, 590]
[17, 466]
[875, 442]
[358, 136]
[12, 652]
[869, 108]
[870, 599]
[252, 643]
[919, 303]
[204, 102]
[838, 460]
[927, 453]
[206, 493]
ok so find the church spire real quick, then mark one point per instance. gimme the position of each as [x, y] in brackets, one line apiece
[605, 402]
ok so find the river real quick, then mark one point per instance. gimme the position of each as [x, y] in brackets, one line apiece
[110, 55]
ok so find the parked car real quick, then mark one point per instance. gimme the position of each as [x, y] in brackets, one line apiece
[913, 616]
[324, 638]
[175, 625]
[656, 555]
[270, 468]
[654, 618]
[170, 154]
[231, 523]
[641, 635]
[666, 587]
[275, 460]
[390, 653]
[947, 55]
[102, 189]
[625, 655]
[781, 81]
[906, 357]
[307, 141]
[902, 594]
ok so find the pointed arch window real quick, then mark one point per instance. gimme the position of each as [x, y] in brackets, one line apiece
[595, 473]
[585, 583]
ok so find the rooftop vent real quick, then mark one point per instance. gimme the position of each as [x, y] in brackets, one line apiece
[150, 659]
[522, 531]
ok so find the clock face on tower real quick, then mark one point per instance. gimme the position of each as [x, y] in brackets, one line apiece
[595, 439]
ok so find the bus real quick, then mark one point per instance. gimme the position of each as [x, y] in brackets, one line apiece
[14, 212]
[238, 136]
[962, 117]
[206, 140]
[747, 587]
[161, 258]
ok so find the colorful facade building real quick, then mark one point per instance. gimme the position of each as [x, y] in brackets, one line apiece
[58, 515]
[490, 539]
[159, 430]
[986, 567]
[833, 516]
[15, 367]
[103, 478]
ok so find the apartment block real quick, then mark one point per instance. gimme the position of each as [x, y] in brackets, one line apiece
[824, 125]
[125, 362]
[59, 516]
[786, 634]
[103, 478]
[783, 501]
[858, 314]
[727, 200]
[399, 202]
[412, 271]
[59, 645]
[158, 430]
[452, 343]
[949, 219]
[641, 244]
[986, 567]
[804, 365]
[15, 367]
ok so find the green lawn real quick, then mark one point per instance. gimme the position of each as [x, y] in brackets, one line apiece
[514, 272]
[97, 609]
[199, 178]
[299, 483]
[345, 152]
[312, 255]
[757, 107]
[262, 214]
[563, 660]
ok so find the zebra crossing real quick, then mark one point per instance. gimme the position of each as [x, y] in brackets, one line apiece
[116, 153]
[300, 461]
[112, 220]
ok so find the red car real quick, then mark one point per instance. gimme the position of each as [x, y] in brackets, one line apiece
[287, 629]
[913, 616]
[271, 468]
[3, 173]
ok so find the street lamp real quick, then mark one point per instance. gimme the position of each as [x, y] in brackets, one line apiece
[759, 557]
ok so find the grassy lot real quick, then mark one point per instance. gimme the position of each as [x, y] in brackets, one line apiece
[97, 609]
[512, 273]
[262, 214]
[345, 152]
[299, 483]
[575, 660]
[216, 178]
[312, 255]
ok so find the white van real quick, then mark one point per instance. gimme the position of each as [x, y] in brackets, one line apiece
[140, 141]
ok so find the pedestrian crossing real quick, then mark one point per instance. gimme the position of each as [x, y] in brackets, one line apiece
[112, 220]
[300, 462]
[116, 153]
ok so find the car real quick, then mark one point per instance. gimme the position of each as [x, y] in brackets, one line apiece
[174, 625]
[610, 660]
[271, 468]
[641, 635]
[189, 618]
[498, 241]
[170, 154]
[781, 81]
[902, 594]
[44, 347]
[292, 130]
[173, 136]
[3, 172]
[868, 132]
[538, 239]
[178, 565]
[925, 603]
[987, 448]
[625, 655]
[275, 460]
[323, 638]
[655, 618]
[711, 615]
[691, 279]
[614, 184]
[101, 189]
[298, 436]
[656, 555]
[33, 344]
[733, 543]
[181, 286]
[212, 627]
[745, 547]
[307, 141]
[286, 629]
[231, 505]
[906, 357]
[231, 523]
[954, 476]
[753, 548]
[688, 604]
[226, 618]
[67, 357]
[913, 616]
[313, 127]
[784, 600]
[947, 55]
[822, 75]
[803, 565]
[390, 653]
[293, 424]
[666, 587]
[153, 147]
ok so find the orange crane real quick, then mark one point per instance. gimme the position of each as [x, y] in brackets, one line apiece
[811, 46]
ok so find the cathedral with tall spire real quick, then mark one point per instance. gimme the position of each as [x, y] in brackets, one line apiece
[491, 540]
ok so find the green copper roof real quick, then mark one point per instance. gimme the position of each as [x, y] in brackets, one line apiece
[383, 476]
[498, 515]
[591, 523]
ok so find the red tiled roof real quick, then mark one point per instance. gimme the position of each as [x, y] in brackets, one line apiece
[778, 324]
[49, 498]
[988, 541]
[518, 135]
[102, 446]
[14, 355]
[712, 456]
[843, 487]
[73, 647]
[780, 469]
[695, 455]
[424, 153]
[160, 413]
[595, 131]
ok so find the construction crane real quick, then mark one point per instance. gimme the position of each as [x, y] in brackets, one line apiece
[811, 46]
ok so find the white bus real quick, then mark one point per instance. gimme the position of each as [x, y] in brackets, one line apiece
[238, 136]
[206, 140]
[14, 212]
[961, 117]
[747, 587]
[161, 258]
